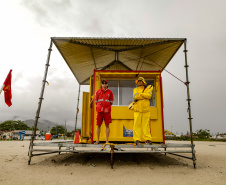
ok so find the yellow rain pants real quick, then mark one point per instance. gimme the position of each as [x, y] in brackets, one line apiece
[141, 126]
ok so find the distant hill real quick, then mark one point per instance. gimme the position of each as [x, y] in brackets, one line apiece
[45, 125]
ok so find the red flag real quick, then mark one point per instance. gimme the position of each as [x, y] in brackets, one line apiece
[7, 89]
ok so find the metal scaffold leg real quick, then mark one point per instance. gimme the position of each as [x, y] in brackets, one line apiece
[39, 104]
[189, 106]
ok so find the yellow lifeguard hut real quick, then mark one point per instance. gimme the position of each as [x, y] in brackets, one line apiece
[121, 61]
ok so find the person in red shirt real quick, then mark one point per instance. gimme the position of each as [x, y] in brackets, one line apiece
[103, 99]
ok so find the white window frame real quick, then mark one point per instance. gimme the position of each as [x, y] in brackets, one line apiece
[134, 87]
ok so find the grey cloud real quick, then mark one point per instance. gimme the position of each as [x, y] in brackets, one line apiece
[92, 17]
[201, 22]
[17, 77]
[47, 13]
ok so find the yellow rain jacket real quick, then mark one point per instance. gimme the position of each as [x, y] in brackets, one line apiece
[143, 96]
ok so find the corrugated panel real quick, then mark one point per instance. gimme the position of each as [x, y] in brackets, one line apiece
[83, 55]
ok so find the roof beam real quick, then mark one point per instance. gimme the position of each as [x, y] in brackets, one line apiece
[93, 46]
[139, 58]
[93, 57]
[113, 62]
[147, 45]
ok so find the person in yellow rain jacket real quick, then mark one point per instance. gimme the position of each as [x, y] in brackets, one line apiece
[142, 95]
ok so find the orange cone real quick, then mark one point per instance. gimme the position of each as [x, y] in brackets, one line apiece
[77, 137]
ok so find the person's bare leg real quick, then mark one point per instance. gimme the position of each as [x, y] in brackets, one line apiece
[107, 133]
[98, 134]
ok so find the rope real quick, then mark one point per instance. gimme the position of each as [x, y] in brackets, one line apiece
[141, 66]
[168, 72]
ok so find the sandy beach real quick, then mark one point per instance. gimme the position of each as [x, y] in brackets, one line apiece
[69, 168]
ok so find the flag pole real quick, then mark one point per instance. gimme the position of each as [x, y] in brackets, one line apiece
[2, 88]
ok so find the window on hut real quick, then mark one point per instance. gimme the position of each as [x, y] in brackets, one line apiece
[123, 91]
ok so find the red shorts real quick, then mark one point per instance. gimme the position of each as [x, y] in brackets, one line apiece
[105, 116]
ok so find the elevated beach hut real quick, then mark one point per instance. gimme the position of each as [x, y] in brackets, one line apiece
[121, 61]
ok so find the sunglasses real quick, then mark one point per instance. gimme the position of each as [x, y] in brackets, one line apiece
[104, 83]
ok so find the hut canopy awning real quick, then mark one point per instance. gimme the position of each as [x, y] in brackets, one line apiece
[83, 55]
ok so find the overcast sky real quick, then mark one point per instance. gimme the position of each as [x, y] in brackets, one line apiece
[27, 25]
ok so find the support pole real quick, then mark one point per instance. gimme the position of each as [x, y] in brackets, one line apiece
[112, 155]
[189, 105]
[65, 132]
[76, 120]
[40, 103]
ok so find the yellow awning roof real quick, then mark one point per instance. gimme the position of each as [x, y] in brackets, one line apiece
[83, 55]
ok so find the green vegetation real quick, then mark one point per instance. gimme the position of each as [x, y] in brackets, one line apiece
[11, 125]
[199, 135]
[58, 130]
[61, 130]
[202, 134]
[186, 138]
